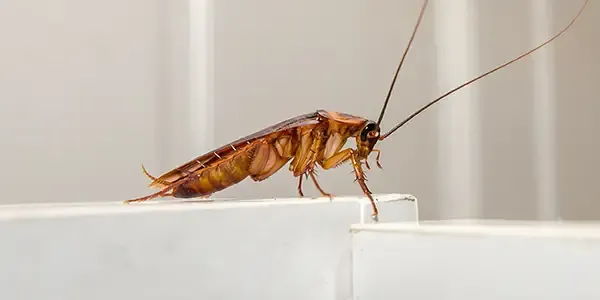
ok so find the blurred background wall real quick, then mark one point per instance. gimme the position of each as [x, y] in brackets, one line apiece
[91, 89]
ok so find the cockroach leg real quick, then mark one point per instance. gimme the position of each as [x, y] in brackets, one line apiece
[337, 159]
[351, 154]
[163, 193]
[377, 157]
[300, 186]
[360, 178]
[314, 179]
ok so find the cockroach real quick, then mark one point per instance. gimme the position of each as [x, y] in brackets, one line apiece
[311, 140]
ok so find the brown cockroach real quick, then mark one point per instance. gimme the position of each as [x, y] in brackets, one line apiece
[310, 140]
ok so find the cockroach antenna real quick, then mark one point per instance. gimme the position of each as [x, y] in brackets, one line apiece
[384, 136]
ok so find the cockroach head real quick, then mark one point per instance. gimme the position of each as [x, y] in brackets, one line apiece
[368, 137]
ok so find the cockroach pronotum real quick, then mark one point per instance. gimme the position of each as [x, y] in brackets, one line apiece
[309, 141]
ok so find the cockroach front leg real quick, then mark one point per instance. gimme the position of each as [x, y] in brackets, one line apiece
[343, 156]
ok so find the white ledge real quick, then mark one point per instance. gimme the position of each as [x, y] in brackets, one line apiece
[470, 259]
[490, 228]
[255, 249]
[20, 211]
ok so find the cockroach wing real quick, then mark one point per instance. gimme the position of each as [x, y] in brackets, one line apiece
[202, 161]
[343, 118]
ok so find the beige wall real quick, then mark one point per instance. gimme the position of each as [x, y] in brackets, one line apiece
[578, 163]
[91, 89]
[79, 85]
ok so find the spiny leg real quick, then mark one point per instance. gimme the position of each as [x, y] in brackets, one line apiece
[336, 160]
[343, 156]
[360, 178]
[300, 186]
[163, 193]
[314, 179]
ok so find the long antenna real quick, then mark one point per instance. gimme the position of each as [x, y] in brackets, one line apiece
[481, 76]
[387, 98]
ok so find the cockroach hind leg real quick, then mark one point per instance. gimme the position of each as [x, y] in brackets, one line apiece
[166, 192]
